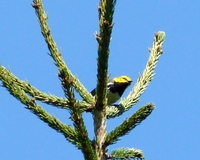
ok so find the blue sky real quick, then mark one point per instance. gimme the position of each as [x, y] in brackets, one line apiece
[170, 132]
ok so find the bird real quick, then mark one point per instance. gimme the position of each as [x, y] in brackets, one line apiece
[116, 87]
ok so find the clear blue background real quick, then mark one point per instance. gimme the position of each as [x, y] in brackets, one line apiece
[171, 132]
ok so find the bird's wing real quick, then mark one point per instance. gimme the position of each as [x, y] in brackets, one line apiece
[93, 92]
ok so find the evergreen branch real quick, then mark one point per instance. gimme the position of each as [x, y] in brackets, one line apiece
[69, 133]
[76, 117]
[106, 11]
[32, 91]
[82, 136]
[65, 73]
[126, 154]
[129, 124]
[143, 81]
[37, 94]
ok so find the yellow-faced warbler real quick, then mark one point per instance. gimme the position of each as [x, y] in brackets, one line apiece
[116, 88]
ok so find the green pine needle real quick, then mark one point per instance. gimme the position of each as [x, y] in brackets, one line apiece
[126, 154]
[130, 123]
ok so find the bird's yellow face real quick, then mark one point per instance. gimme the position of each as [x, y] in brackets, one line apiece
[122, 79]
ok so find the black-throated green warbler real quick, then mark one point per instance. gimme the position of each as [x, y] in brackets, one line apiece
[116, 88]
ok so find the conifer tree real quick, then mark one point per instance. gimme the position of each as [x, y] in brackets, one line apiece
[92, 149]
